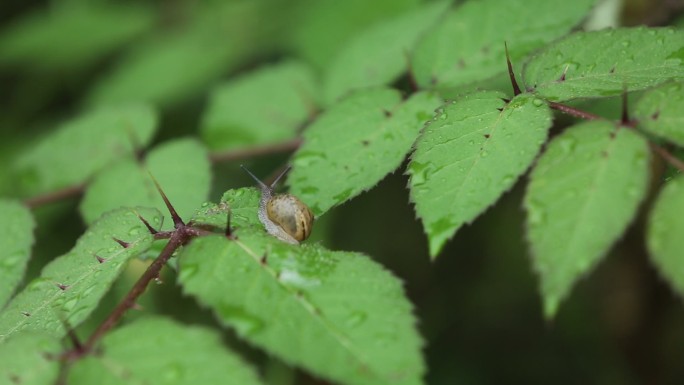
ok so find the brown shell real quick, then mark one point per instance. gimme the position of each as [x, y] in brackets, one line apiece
[293, 216]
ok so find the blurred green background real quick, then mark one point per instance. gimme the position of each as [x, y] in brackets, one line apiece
[478, 305]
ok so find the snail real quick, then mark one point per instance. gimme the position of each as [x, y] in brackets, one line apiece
[283, 215]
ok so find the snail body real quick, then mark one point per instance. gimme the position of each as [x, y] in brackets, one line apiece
[283, 215]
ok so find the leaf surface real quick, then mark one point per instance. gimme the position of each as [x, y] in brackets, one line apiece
[469, 154]
[583, 193]
[81, 147]
[337, 314]
[71, 286]
[355, 144]
[156, 350]
[180, 166]
[29, 359]
[467, 46]
[664, 235]
[379, 54]
[16, 238]
[264, 106]
[659, 112]
[67, 37]
[604, 63]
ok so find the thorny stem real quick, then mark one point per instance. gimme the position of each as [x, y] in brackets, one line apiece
[573, 111]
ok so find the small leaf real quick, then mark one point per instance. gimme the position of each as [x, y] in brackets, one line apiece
[604, 63]
[337, 314]
[322, 26]
[29, 359]
[156, 350]
[468, 45]
[583, 193]
[16, 238]
[378, 55]
[180, 166]
[470, 154]
[264, 106]
[68, 37]
[664, 235]
[81, 147]
[355, 144]
[659, 112]
[71, 286]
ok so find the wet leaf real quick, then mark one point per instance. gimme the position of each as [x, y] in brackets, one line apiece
[467, 46]
[156, 350]
[659, 112]
[469, 154]
[664, 235]
[29, 359]
[355, 144]
[604, 63]
[16, 238]
[337, 314]
[583, 193]
[71, 286]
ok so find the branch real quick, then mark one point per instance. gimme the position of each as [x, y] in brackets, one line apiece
[245, 153]
[573, 111]
[673, 160]
[54, 196]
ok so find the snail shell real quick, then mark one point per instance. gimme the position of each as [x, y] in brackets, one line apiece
[283, 215]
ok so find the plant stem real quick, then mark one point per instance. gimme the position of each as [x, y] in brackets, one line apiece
[673, 160]
[573, 111]
[54, 196]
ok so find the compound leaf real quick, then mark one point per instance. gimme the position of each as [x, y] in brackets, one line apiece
[264, 106]
[378, 55]
[71, 286]
[29, 359]
[605, 63]
[180, 166]
[467, 46]
[337, 314]
[355, 143]
[664, 235]
[16, 238]
[659, 112]
[472, 152]
[156, 350]
[81, 147]
[583, 193]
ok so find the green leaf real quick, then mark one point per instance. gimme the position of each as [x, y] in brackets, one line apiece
[355, 143]
[337, 314]
[378, 55]
[68, 37]
[583, 193]
[664, 234]
[322, 26]
[29, 359]
[469, 155]
[70, 287]
[156, 350]
[261, 107]
[16, 238]
[604, 63]
[468, 45]
[180, 166]
[659, 112]
[81, 147]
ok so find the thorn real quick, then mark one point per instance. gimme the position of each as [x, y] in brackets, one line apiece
[486, 136]
[506, 100]
[229, 230]
[565, 70]
[264, 259]
[409, 69]
[511, 74]
[655, 115]
[62, 286]
[177, 221]
[500, 109]
[365, 142]
[99, 259]
[146, 223]
[387, 113]
[125, 245]
[25, 313]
